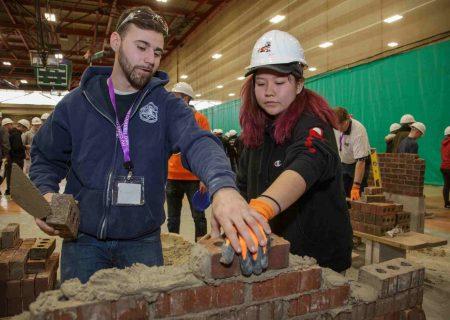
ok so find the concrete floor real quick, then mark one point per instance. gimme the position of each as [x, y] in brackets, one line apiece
[436, 260]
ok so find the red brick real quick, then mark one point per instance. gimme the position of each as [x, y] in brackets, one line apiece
[42, 282]
[263, 290]
[200, 299]
[338, 296]
[13, 289]
[319, 301]
[162, 305]
[35, 266]
[229, 294]
[249, 313]
[178, 302]
[401, 300]
[17, 264]
[383, 306]
[26, 301]
[28, 285]
[287, 283]
[304, 304]
[5, 257]
[14, 306]
[101, 310]
[130, 307]
[10, 236]
[310, 279]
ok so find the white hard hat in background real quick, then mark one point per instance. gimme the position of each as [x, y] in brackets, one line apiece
[36, 121]
[25, 123]
[419, 126]
[232, 132]
[276, 47]
[407, 118]
[183, 87]
[218, 131]
[44, 116]
[6, 121]
[394, 126]
[447, 131]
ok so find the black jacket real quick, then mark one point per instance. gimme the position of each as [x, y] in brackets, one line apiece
[318, 223]
[17, 148]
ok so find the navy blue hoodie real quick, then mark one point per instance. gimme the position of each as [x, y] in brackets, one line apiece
[78, 142]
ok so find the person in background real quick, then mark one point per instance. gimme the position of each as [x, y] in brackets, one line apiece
[409, 144]
[181, 181]
[17, 152]
[44, 116]
[405, 121]
[232, 147]
[445, 166]
[219, 134]
[389, 139]
[27, 139]
[289, 168]
[354, 151]
[111, 138]
[4, 149]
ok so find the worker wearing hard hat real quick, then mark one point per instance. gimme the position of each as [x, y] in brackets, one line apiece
[5, 147]
[445, 166]
[17, 152]
[181, 181]
[409, 144]
[405, 121]
[389, 139]
[27, 139]
[290, 168]
[45, 116]
[233, 148]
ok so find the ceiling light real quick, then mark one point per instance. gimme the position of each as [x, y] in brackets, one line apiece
[326, 44]
[277, 18]
[240, 78]
[392, 44]
[219, 86]
[312, 68]
[50, 17]
[231, 94]
[59, 56]
[161, 1]
[6, 63]
[184, 76]
[198, 95]
[393, 18]
[23, 81]
[216, 56]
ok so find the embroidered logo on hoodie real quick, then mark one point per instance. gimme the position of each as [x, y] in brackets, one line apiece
[149, 113]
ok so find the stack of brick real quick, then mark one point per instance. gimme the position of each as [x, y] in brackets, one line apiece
[295, 289]
[402, 173]
[27, 268]
[374, 215]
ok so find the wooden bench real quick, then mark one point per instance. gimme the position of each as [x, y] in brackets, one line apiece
[384, 248]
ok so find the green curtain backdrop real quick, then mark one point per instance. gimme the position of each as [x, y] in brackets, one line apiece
[379, 93]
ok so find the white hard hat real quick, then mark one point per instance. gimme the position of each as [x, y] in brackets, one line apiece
[183, 87]
[36, 121]
[25, 123]
[419, 126]
[274, 48]
[44, 116]
[407, 118]
[218, 131]
[6, 121]
[394, 127]
[447, 131]
[232, 132]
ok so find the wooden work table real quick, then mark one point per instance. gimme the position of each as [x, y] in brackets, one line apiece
[382, 248]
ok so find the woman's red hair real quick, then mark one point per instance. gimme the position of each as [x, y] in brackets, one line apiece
[254, 119]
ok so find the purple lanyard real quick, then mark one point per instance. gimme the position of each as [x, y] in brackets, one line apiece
[341, 138]
[123, 135]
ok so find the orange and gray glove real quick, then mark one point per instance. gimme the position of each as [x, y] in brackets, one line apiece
[251, 263]
[354, 194]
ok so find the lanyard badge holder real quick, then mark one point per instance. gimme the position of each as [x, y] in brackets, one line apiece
[126, 190]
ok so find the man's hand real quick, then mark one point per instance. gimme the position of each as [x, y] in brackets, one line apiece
[233, 214]
[251, 263]
[41, 223]
[354, 194]
[202, 187]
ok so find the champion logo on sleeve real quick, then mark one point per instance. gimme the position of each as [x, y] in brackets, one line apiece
[314, 133]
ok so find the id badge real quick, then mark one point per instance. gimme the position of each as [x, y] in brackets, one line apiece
[128, 191]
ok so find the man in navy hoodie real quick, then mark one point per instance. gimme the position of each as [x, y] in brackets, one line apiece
[111, 138]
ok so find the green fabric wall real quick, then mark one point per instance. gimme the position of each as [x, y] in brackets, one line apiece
[379, 93]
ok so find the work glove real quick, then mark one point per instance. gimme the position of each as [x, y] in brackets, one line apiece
[354, 194]
[251, 263]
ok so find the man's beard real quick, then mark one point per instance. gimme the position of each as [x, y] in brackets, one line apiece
[136, 80]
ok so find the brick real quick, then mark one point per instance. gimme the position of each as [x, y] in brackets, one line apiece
[65, 215]
[3, 307]
[28, 243]
[17, 264]
[287, 283]
[130, 307]
[101, 310]
[178, 302]
[199, 299]
[381, 279]
[26, 301]
[384, 305]
[263, 290]
[28, 285]
[319, 301]
[5, 257]
[401, 300]
[310, 279]
[42, 282]
[300, 305]
[13, 289]
[338, 296]
[162, 305]
[42, 249]
[14, 306]
[10, 236]
[35, 266]
[229, 294]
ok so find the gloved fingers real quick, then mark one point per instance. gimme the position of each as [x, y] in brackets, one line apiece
[227, 252]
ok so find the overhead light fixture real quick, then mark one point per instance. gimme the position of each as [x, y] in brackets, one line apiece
[312, 68]
[393, 18]
[240, 78]
[198, 95]
[184, 76]
[23, 81]
[6, 63]
[392, 44]
[161, 1]
[326, 44]
[50, 17]
[216, 56]
[59, 56]
[231, 94]
[219, 86]
[277, 18]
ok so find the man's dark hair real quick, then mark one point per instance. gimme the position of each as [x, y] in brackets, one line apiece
[341, 113]
[143, 18]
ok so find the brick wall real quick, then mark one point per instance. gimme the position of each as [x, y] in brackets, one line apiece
[402, 173]
[299, 290]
